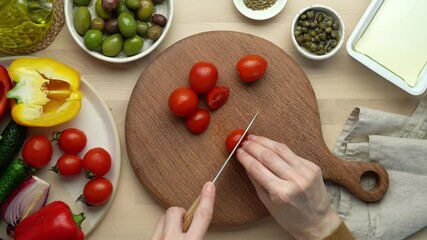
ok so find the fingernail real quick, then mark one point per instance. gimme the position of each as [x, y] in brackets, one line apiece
[239, 150]
[209, 187]
[244, 143]
[251, 137]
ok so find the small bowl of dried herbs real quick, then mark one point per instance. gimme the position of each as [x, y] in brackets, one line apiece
[260, 9]
[318, 32]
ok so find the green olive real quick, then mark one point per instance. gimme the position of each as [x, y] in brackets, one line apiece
[133, 45]
[82, 20]
[112, 45]
[101, 11]
[154, 32]
[133, 4]
[93, 39]
[127, 24]
[141, 28]
[144, 12]
[97, 23]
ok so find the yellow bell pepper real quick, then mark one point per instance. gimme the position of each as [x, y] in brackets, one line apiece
[46, 92]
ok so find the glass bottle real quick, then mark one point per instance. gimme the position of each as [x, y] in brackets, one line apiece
[24, 22]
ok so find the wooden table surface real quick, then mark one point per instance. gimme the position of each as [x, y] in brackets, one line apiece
[340, 84]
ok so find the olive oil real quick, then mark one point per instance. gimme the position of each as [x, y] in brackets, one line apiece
[24, 22]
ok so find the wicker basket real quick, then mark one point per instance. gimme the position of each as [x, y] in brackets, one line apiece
[55, 28]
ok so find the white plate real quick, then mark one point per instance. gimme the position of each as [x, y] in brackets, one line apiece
[97, 122]
[165, 8]
[260, 14]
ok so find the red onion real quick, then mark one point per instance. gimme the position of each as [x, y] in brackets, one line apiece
[27, 198]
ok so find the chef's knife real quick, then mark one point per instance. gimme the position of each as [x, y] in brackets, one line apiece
[190, 212]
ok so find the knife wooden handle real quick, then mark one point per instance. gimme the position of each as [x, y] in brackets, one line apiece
[188, 218]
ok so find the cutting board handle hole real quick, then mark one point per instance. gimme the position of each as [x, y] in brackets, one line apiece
[369, 181]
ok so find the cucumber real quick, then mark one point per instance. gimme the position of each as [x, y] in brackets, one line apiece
[12, 138]
[14, 175]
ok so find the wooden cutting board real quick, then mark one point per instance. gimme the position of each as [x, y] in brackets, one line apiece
[173, 164]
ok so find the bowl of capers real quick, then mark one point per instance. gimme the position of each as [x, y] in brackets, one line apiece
[118, 31]
[318, 32]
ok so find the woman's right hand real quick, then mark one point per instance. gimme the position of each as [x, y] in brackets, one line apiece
[290, 187]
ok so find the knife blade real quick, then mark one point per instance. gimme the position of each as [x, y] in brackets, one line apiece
[235, 148]
[188, 218]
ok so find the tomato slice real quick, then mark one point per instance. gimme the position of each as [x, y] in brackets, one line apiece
[217, 97]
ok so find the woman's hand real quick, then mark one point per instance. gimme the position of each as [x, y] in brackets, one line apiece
[290, 187]
[170, 224]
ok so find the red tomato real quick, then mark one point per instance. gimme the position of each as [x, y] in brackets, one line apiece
[5, 85]
[97, 191]
[203, 77]
[68, 165]
[198, 122]
[251, 68]
[217, 97]
[37, 151]
[72, 140]
[96, 162]
[234, 138]
[183, 102]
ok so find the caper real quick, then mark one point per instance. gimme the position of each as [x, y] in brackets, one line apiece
[306, 24]
[329, 23]
[313, 47]
[300, 22]
[319, 30]
[303, 17]
[298, 28]
[319, 17]
[97, 23]
[328, 30]
[328, 49]
[335, 26]
[321, 52]
[320, 47]
[304, 30]
[81, 20]
[316, 38]
[310, 14]
[307, 37]
[299, 39]
[154, 32]
[298, 32]
[322, 36]
[313, 25]
[322, 25]
[333, 43]
[313, 33]
[334, 34]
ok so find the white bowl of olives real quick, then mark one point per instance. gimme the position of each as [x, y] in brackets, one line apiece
[118, 31]
[318, 32]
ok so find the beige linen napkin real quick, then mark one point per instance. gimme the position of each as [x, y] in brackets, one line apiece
[399, 143]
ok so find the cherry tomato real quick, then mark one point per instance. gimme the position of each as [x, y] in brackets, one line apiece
[72, 140]
[217, 97]
[37, 151]
[183, 102]
[96, 162]
[198, 122]
[97, 191]
[251, 68]
[68, 165]
[234, 138]
[203, 77]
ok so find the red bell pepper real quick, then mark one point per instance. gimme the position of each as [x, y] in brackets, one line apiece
[5, 85]
[55, 221]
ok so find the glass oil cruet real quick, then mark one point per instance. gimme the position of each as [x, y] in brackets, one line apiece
[24, 23]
